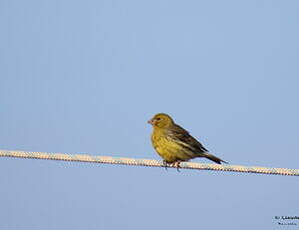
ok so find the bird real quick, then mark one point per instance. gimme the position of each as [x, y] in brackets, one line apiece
[174, 144]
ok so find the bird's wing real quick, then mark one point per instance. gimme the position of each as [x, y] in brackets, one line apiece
[179, 134]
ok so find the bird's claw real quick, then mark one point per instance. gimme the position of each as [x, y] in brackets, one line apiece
[165, 164]
[177, 165]
[174, 164]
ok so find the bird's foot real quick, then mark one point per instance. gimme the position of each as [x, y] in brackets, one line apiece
[177, 165]
[165, 164]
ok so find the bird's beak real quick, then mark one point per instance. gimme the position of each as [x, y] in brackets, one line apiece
[150, 122]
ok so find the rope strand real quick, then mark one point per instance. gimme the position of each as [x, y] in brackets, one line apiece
[146, 162]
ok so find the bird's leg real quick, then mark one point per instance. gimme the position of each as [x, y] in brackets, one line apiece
[177, 165]
[165, 164]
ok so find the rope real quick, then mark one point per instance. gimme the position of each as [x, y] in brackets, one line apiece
[146, 162]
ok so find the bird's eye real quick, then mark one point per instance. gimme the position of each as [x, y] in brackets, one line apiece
[158, 118]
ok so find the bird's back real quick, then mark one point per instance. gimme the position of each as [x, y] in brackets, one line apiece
[180, 135]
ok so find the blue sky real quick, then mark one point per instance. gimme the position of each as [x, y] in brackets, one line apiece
[85, 76]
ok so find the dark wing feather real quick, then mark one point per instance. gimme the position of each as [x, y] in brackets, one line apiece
[178, 133]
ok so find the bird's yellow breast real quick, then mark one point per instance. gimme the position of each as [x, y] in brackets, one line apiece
[168, 149]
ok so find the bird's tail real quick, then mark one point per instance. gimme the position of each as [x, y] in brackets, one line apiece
[214, 158]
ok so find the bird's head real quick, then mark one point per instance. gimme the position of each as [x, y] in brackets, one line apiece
[161, 120]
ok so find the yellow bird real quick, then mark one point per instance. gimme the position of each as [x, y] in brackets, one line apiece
[174, 144]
